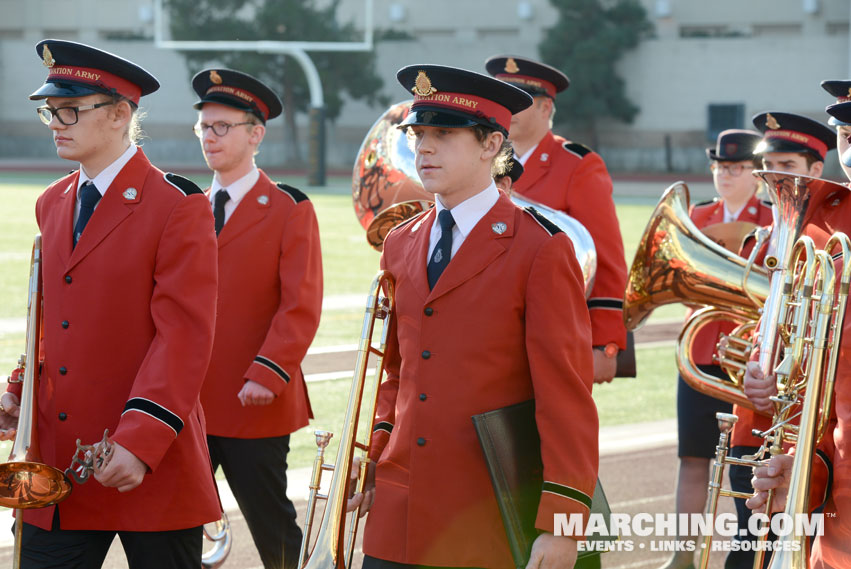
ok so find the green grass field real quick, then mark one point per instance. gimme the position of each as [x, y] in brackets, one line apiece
[349, 265]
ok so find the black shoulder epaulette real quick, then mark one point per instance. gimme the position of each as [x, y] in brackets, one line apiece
[706, 202]
[186, 186]
[766, 203]
[579, 149]
[295, 194]
[543, 220]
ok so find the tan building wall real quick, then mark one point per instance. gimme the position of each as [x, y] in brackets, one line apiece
[760, 54]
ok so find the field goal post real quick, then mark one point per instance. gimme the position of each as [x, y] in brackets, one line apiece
[298, 50]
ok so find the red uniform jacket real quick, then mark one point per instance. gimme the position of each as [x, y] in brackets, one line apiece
[571, 178]
[270, 298]
[505, 323]
[128, 328]
[704, 215]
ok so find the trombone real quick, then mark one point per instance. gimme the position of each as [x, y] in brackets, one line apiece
[331, 549]
[25, 481]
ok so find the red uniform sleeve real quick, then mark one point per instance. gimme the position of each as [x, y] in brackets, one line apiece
[183, 308]
[591, 203]
[558, 345]
[297, 319]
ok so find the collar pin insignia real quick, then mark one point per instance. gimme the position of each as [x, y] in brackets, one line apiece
[263, 200]
[130, 194]
[499, 227]
[545, 157]
[752, 210]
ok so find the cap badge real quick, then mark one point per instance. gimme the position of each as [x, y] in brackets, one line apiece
[422, 86]
[130, 194]
[215, 77]
[499, 227]
[511, 66]
[263, 200]
[47, 57]
[771, 122]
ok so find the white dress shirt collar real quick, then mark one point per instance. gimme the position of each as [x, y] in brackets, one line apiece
[730, 215]
[238, 189]
[527, 154]
[466, 215]
[103, 180]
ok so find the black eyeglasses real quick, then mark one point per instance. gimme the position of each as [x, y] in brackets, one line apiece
[220, 128]
[731, 169]
[67, 115]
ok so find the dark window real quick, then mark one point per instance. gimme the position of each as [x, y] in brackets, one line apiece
[723, 116]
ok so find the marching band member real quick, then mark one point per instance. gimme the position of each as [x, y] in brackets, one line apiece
[269, 301]
[570, 177]
[129, 273]
[831, 471]
[732, 160]
[490, 311]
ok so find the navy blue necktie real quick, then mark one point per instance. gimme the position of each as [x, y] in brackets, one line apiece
[443, 250]
[222, 196]
[89, 197]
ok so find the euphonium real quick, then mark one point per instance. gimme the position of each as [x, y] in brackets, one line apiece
[676, 263]
[386, 190]
[330, 549]
[813, 306]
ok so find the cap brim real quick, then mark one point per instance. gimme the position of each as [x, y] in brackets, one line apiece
[438, 117]
[833, 121]
[64, 90]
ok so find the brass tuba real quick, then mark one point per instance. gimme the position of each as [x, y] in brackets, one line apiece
[676, 263]
[386, 190]
[335, 541]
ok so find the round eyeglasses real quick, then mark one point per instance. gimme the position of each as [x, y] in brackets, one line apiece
[67, 115]
[220, 128]
[731, 169]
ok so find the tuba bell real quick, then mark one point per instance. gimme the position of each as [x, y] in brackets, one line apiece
[676, 263]
[386, 190]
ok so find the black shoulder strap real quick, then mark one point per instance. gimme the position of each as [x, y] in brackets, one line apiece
[295, 194]
[579, 149]
[543, 220]
[185, 185]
